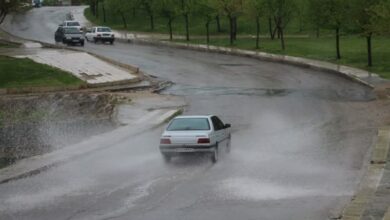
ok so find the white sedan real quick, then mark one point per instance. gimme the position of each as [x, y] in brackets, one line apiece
[195, 134]
[102, 34]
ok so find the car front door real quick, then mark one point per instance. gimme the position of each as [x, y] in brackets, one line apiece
[218, 128]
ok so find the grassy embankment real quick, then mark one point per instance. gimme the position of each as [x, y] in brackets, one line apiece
[17, 73]
[300, 41]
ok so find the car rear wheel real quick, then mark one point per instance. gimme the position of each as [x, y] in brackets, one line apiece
[111, 42]
[214, 156]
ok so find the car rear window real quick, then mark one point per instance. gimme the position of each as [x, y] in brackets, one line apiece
[72, 31]
[189, 124]
[72, 24]
[104, 30]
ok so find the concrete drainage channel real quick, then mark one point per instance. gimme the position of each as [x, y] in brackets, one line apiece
[374, 178]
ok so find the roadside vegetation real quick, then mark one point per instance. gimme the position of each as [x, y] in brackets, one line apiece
[16, 73]
[350, 32]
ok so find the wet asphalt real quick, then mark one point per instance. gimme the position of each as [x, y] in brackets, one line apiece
[300, 138]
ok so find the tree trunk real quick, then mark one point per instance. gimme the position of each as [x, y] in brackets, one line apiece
[151, 17]
[3, 15]
[218, 24]
[338, 43]
[186, 19]
[271, 33]
[104, 12]
[231, 30]
[257, 32]
[369, 49]
[97, 9]
[93, 7]
[123, 19]
[234, 28]
[208, 32]
[282, 38]
[170, 29]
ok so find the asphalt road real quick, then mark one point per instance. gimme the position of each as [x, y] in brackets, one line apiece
[298, 148]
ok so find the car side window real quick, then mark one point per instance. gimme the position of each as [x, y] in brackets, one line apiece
[217, 123]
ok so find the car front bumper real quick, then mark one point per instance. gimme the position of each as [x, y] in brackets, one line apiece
[73, 40]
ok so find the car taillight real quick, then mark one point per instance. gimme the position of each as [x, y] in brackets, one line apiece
[204, 141]
[165, 141]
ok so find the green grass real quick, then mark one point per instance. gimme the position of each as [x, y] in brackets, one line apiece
[16, 73]
[353, 50]
[4, 44]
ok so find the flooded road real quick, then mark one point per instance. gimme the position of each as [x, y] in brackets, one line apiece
[299, 143]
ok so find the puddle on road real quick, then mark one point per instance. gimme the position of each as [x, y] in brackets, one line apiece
[252, 189]
[344, 94]
[193, 90]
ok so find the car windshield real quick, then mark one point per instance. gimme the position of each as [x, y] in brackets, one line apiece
[72, 31]
[189, 124]
[72, 24]
[104, 29]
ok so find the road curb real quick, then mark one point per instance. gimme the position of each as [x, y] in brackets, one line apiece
[371, 179]
[46, 161]
[344, 71]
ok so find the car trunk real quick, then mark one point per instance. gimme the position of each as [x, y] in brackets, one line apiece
[185, 137]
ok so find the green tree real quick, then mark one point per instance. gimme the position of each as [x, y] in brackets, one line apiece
[314, 12]
[6, 6]
[282, 12]
[380, 17]
[208, 13]
[186, 8]
[363, 19]
[256, 9]
[336, 15]
[121, 7]
[232, 9]
[149, 7]
[168, 10]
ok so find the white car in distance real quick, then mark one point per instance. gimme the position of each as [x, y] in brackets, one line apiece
[71, 23]
[195, 134]
[102, 34]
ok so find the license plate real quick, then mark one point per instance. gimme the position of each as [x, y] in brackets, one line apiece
[185, 150]
[75, 40]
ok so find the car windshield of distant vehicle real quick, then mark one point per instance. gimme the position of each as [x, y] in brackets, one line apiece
[189, 124]
[105, 29]
[72, 24]
[72, 31]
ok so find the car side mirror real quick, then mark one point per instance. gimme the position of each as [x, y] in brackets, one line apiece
[228, 126]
